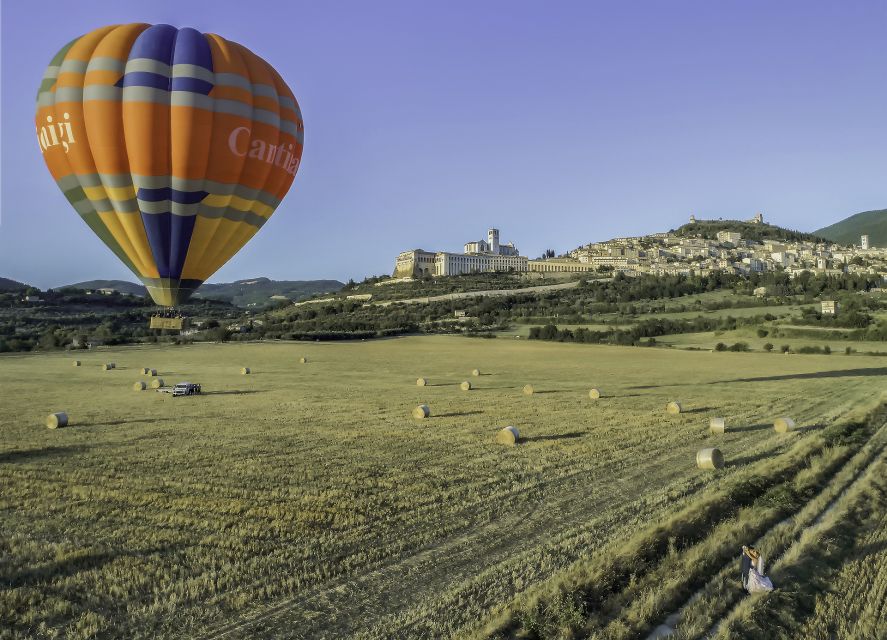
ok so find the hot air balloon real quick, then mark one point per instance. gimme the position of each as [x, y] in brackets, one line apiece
[174, 146]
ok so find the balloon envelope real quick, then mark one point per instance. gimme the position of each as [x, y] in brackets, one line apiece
[174, 146]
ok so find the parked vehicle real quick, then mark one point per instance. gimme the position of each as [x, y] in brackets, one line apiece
[185, 389]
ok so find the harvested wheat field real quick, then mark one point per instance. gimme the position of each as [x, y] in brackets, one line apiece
[307, 502]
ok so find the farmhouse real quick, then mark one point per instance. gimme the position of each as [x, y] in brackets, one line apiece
[829, 307]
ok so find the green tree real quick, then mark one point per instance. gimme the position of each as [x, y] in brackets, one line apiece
[219, 334]
[49, 339]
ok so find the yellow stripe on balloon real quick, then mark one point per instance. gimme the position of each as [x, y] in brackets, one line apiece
[130, 234]
[201, 239]
[115, 193]
[136, 231]
[164, 297]
[205, 246]
[110, 220]
[227, 243]
[238, 203]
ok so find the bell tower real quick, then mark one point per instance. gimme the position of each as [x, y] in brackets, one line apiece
[493, 241]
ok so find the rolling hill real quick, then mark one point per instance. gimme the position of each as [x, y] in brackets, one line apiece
[123, 286]
[709, 229]
[255, 292]
[259, 291]
[6, 284]
[847, 231]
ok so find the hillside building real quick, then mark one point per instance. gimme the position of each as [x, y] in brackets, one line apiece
[478, 256]
[733, 237]
[491, 246]
[414, 263]
[561, 265]
[864, 242]
[829, 307]
[453, 264]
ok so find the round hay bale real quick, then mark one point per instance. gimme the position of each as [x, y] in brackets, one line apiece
[303, 360]
[152, 372]
[475, 372]
[784, 425]
[674, 407]
[107, 366]
[717, 425]
[508, 436]
[139, 386]
[244, 371]
[76, 363]
[56, 420]
[421, 382]
[528, 389]
[156, 383]
[145, 371]
[711, 458]
[113, 365]
[465, 386]
[595, 393]
[421, 412]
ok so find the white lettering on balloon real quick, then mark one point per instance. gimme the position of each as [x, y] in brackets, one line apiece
[55, 134]
[281, 155]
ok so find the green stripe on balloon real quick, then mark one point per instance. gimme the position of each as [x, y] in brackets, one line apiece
[76, 196]
[48, 83]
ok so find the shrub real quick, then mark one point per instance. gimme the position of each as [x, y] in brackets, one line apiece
[720, 347]
[785, 348]
[768, 347]
[762, 333]
[810, 349]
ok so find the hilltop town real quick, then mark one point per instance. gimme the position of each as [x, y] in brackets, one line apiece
[698, 248]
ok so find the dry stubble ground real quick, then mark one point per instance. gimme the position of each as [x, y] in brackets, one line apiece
[303, 501]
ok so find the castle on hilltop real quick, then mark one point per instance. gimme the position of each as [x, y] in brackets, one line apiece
[758, 219]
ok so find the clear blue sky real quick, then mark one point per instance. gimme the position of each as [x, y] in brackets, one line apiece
[561, 123]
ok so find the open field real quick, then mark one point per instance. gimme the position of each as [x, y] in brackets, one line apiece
[302, 501]
[708, 340]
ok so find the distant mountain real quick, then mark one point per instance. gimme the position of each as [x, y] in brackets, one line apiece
[255, 292]
[123, 286]
[262, 291]
[12, 285]
[848, 230]
[749, 230]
